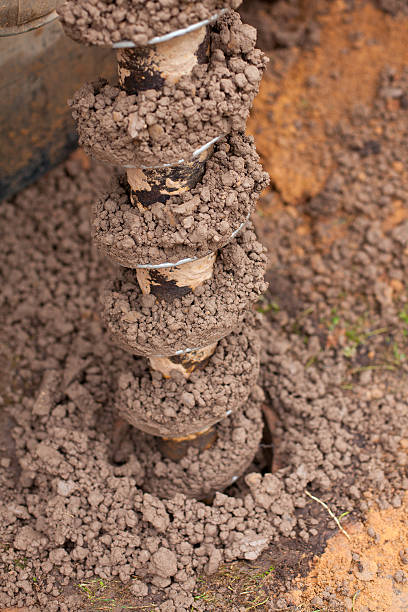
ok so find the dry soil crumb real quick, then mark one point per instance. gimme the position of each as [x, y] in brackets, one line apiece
[176, 406]
[104, 23]
[334, 365]
[146, 326]
[200, 474]
[333, 441]
[187, 225]
[156, 127]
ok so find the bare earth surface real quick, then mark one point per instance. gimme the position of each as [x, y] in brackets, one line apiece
[75, 525]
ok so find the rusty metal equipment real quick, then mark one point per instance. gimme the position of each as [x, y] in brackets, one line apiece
[40, 68]
[17, 17]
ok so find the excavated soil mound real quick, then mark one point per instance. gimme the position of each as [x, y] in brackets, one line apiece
[339, 433]
[89, 515]
[334, 369]
[186, 225]
[145, 326]
[105, 23]
[177, 407]
[200, 474]
[165, 126]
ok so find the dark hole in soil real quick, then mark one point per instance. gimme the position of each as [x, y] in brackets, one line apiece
[69, 546]
[121, 447]
[119, 462]
[266, 460]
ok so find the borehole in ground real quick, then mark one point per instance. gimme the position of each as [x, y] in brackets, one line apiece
[68, 546]
[266, 460]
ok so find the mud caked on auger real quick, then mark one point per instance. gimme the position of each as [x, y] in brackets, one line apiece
[177, 221]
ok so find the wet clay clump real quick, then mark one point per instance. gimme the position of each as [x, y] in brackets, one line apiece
[188, 225]
[201, 474]
[106, 23]
[145, 326]
[167, 125]
[178, 407]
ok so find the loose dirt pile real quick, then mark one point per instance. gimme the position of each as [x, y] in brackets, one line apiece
[334, 367]
[164, 313]
[200, 474]
[57, 487]
[105, 23]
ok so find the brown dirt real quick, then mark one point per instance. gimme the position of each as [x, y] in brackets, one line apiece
[200, 475]
[104, 22]
[179, 407]
[144, 326]
[312, 90]
[164, 126]
[366, 572]
[334, 365]
[185, 225]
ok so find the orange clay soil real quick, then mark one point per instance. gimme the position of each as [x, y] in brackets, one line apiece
[367, 572]
[319, 89]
